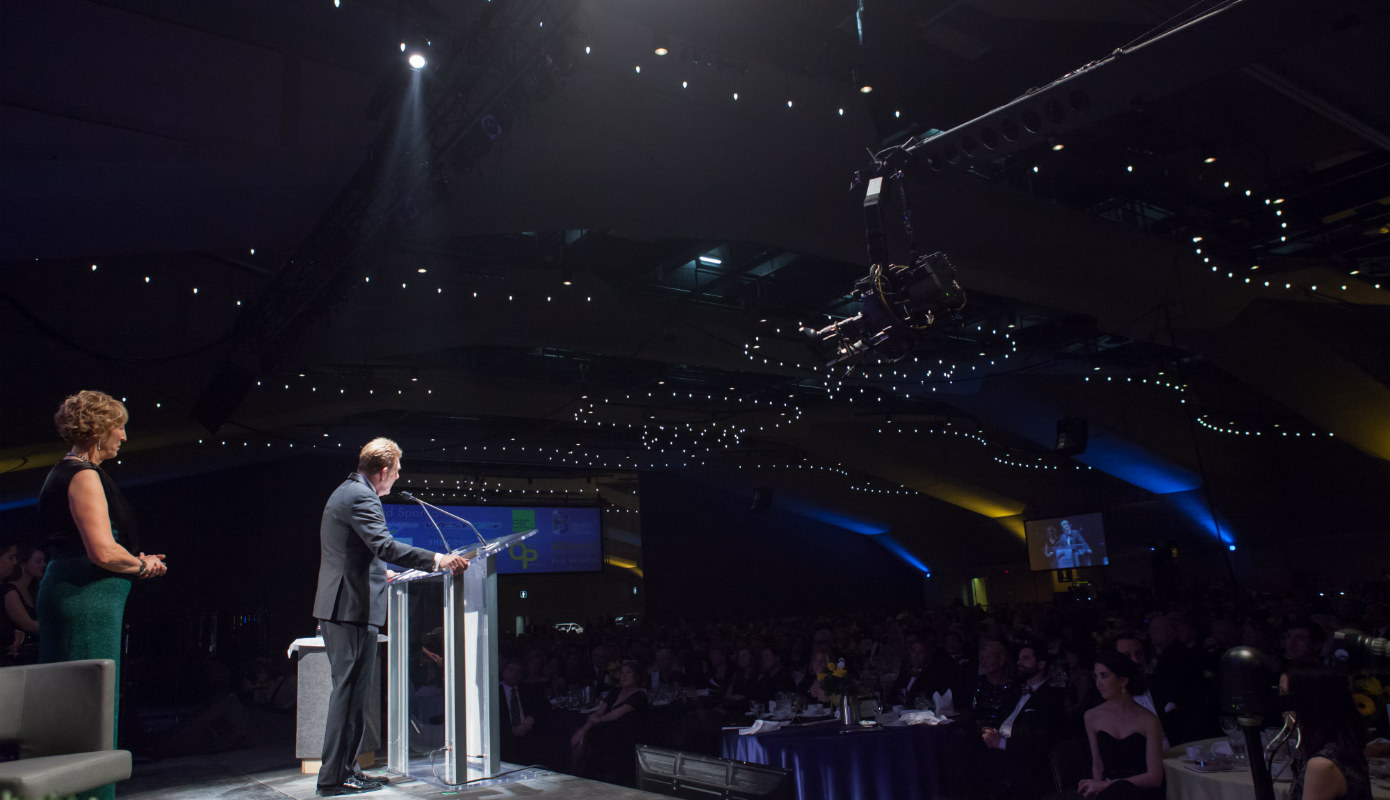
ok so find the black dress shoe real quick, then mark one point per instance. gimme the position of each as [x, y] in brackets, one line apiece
[379, 779]
[361, 783]
[350, 786]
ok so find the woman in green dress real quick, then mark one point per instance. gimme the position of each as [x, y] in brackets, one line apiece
[92, 538]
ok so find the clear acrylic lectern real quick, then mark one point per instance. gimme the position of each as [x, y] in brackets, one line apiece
[442, 691]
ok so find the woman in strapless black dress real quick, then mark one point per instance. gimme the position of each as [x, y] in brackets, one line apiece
[1126, 738]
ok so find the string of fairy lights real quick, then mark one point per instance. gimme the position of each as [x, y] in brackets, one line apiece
[1207, 420]
[1251, 277]
[832, 469]
[728, 418]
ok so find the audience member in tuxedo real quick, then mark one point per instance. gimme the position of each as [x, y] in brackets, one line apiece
[922, 677]
[535, 668]
[1330, 760]
[745, 675]
[1224, 634]
[718, 672]
[995, 693]
[1178, 684]
[960, 664]
[1079, 654]
[603, 746]
[664, 671]
[773, 677]
[692, 662]
[1303, 640]
[1017, 751]
[1132, 647]
[1126, 739]
[524, 710]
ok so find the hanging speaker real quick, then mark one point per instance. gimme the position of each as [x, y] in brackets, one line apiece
[1071, 436]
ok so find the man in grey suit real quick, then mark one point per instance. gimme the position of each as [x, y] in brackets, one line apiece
[351, 604]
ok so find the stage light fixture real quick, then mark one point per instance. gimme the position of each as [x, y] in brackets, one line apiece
[416, 61]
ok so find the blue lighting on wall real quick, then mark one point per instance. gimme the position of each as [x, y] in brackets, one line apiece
[877, 530]
[1193, 506]
[1138, 466]
[895, 547]
[866, 527]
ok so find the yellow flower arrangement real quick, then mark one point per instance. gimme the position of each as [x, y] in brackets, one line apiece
[834, 681]
[1370, 686]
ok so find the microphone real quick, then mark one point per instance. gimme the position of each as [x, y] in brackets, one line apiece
[427, 506]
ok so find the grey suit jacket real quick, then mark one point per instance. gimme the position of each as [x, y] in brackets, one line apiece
[354, 548]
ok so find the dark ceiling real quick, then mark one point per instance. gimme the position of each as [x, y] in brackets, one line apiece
[257, 225]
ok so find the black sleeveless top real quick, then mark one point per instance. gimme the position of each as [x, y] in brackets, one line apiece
[55, 516]
[1123, 758]
[1351, 763]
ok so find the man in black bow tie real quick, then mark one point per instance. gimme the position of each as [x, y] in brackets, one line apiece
[1019, 747]
[921, 678]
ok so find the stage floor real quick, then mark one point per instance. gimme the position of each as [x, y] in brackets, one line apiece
[267, 770]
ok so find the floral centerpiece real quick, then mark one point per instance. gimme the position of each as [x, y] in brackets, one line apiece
[1369, 695]
[834, 682]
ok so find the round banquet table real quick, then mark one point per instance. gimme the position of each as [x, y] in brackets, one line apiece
[1186, 784]
[832, 762]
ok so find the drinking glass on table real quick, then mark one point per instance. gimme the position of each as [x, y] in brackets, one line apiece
[1236, 736]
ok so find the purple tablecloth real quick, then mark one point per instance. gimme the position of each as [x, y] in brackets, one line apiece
[831, 762]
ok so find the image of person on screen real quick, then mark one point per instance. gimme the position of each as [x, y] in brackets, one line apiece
[350, 604]
[1072, 541]
[1068, 548]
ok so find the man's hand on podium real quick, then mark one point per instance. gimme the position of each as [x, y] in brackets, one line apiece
[453, 563]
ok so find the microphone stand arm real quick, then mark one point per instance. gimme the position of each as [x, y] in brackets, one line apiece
[447, 514]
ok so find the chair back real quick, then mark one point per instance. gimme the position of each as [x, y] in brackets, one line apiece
[56, 709]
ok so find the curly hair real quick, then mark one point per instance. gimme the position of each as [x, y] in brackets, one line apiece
[84, 418]
[378, 454]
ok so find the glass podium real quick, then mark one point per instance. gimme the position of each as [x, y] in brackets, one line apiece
[443, 712]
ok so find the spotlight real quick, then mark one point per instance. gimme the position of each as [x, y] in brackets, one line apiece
[660, 43]
[865, 89]
[416, 61]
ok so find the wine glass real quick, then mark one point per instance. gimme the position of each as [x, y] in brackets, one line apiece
[1236, 736]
